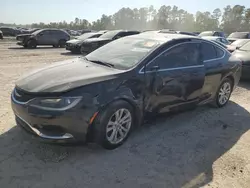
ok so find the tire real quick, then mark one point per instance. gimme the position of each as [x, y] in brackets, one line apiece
[31, 44]
[107, 131]
[55, 46]
[25, 45]
[81, 50]
[225, 90]
[62, 43]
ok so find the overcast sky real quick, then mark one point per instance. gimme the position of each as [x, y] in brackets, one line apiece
[31, 11]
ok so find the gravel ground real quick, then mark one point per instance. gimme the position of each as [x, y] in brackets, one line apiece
[205, 147]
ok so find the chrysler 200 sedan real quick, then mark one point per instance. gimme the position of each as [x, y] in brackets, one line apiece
[103, 96]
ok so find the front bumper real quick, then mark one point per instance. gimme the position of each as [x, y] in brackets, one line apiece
[21, 43]
[51, 126]
[72, 47]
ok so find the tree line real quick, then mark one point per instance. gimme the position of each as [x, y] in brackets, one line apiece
[229, 19]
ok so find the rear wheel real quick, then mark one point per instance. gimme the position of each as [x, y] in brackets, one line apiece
[113, 126]
[31, 44]
[223, 94]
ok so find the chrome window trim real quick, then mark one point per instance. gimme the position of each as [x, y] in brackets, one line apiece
[177, 68]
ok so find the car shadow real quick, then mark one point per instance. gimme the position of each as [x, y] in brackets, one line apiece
[173, 150]
[70, 54]
[244, 83]
[37, 48]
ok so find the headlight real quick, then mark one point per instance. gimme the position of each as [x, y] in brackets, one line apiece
[61, 103]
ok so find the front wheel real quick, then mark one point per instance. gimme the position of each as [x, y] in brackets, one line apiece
[224, 93]
[31, 44]
[62, 43]
[113, 125]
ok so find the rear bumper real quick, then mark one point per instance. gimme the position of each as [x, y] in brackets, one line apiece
[245, 72]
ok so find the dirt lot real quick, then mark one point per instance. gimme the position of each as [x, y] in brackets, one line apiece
[204, 147]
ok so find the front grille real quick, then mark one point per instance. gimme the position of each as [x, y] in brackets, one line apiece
[21, 96]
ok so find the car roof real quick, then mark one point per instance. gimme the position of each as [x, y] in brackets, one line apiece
[163, 37]
[211, 37]
[241, 32]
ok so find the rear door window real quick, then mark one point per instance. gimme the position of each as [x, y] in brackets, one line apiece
[211, 52]
[208, 51]
[183, 55]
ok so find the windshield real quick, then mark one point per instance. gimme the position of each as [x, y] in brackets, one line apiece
[206, 33]
[86, 36]
[246, 46]
[239, 43]
[124, 53]
[36, 32]
[238, 35]
[109, 34]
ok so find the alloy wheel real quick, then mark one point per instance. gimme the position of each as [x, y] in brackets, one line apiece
[118, 126]
[224, 93]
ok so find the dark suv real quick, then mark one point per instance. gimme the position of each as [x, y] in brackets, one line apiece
[92, 44]
[54, 37]
[9, 31]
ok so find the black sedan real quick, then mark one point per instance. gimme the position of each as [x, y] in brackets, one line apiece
[74, 45]
[92, 44]
[101, 97]
[243, 53]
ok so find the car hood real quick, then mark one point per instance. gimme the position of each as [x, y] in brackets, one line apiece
[66, 75]
[96, 40]
[242, 55]
[74, 41]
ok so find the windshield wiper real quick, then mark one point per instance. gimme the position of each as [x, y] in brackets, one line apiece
[100, 62]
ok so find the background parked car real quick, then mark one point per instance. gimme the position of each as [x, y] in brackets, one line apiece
[9, 31]
[238, 35]
[237, 44]
[243, 53]
[212, 33]
[171, 31]
[54, 37]
[92, 44]
[1, 34]
[74, 45]
[219, 39]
